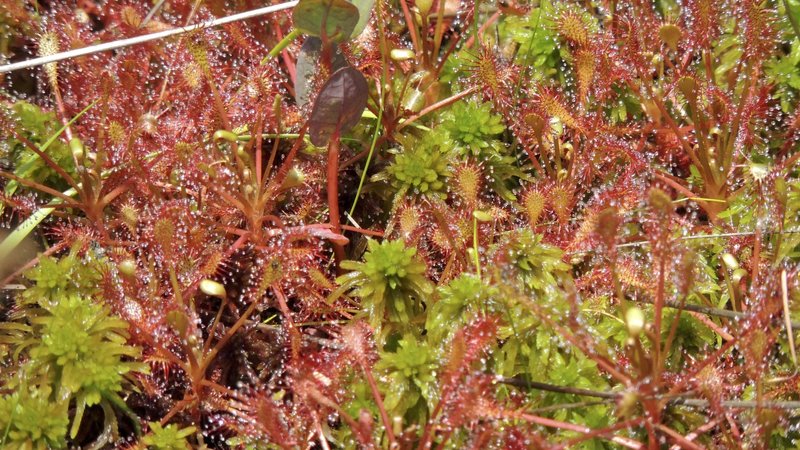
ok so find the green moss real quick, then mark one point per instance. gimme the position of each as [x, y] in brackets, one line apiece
[410, 371]
[789, 244]
[472, 125]
[532, 33]
[538, 266]
[82, 346]
[170, 437]
[31, 420]
[74, 348]
[475, 132]
[37, 126]
[71, 274]
[424, 164]
[391, 281]
[458, 301]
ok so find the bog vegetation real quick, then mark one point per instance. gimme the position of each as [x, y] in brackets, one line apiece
[404, 224]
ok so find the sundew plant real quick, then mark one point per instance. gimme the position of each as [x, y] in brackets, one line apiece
[400, 224]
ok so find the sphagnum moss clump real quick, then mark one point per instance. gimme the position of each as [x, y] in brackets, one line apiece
[390, 281]
[407, 228]
[170, 437]
[473, 125]
[85, 346]
[457, 302]
[33, 419]
[411, 378]
[423, 165]
[420, 172]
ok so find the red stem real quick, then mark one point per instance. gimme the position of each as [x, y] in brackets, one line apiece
[333, 193]
[678, 438]
[492, 19]
[387, 424]
[376, 233]
[412, 28]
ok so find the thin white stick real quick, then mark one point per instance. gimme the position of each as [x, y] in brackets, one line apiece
[151, 13]
[144, 38]
[700, 236]
[697, 236]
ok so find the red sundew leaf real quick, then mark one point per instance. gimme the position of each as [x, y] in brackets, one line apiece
[339, 105]
[317, 230]
[338, 17]
[323, 231]
[468, 344]
[703, 22]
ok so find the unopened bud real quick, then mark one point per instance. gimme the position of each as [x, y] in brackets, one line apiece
[127, 267]
[634, 319]
[295, 177]
[424, 6]
[401, 54]
[626, 404]
[738, 275]
[77, 149]
[730, 261]
[482, 216]
[212, 288]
